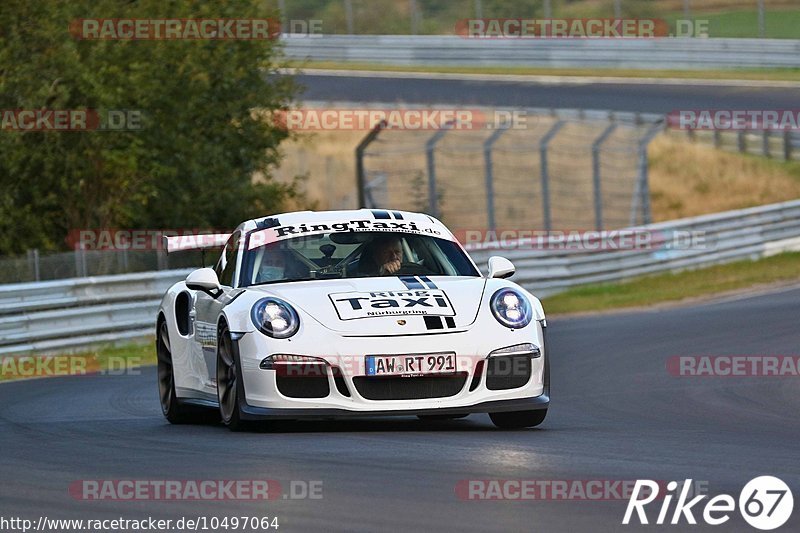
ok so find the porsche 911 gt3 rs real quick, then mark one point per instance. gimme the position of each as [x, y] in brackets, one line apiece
[349, 313]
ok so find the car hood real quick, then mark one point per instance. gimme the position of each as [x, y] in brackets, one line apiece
[387, 306]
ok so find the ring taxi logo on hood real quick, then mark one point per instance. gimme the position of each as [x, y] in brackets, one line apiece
[352, 305]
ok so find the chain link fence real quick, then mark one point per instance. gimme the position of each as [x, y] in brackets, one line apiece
[36, 266]
[773, 144]
[566, 169]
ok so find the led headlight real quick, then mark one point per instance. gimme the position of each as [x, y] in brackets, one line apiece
[511, 308]
[276, 318]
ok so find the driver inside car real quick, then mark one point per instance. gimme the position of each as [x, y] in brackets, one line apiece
[273, 266]
[382, 256]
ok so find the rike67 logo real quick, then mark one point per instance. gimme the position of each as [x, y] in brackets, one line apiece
[765, 503]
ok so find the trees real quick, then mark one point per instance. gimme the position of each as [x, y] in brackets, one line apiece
[201, 140]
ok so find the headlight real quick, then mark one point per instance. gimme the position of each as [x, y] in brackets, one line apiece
[276, 318]
[511, 308]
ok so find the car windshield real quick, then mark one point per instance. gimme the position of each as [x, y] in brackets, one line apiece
[353, 254]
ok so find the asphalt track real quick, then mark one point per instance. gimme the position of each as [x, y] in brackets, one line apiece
[616, 414]
[642, 97]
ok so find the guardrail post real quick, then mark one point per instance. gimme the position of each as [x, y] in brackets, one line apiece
[487, 157]
[598, 194]
[787, 144]
[430, 147]
[741, 141]
[641, 194]
[543, 144]
[360, 173]
[765, 143]
[717, 138]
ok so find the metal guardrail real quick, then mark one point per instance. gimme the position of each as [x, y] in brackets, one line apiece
[68, 314]
[733, 235]
[450, 50]
[71, 313]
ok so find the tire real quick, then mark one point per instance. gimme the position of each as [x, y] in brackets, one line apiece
[175, 411]
[518, 419]
[440, 417]
[228, 381]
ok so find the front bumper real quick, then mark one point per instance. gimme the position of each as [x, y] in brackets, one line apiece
[250, 412]
[260, 397]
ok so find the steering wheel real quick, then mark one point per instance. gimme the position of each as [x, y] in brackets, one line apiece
[413, 269]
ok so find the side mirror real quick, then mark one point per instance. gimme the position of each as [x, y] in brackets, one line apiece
[203, 279]
[500, 267]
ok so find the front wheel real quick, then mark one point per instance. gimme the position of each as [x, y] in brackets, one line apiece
[228, 381]
[518, 419]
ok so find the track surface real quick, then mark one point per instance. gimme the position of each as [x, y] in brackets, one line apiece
[619, 97]
[616, 414]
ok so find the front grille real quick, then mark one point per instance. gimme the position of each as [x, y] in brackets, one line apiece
[508, 371]
[410, 388]
[294, 386]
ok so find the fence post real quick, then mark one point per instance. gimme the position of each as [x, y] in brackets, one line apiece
[765, 143]
[487, 157]
[717, 138]
[412, 8]
[598, 194]
[348, 15]
[282, 9]
[430, 147]
[641, 193]
[787, 144]
[360, 173]
[479, 9]
[741, 141]
[543, 144]
[161, 259]
[80, 262]
[33, 263]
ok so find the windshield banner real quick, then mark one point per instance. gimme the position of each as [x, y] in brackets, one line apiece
[279, 233]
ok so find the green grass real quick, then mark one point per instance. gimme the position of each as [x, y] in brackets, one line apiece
[675, 287]
[778, 24]
[730, 74]
[110, 360]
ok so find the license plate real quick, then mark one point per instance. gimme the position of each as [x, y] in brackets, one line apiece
[410, 365]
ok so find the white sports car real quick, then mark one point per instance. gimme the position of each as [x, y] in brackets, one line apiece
[349, 313]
